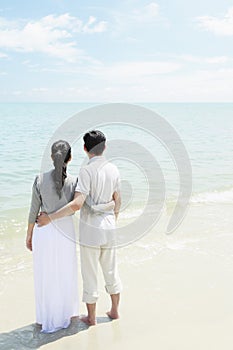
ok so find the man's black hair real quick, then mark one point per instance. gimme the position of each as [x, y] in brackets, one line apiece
[94, 142]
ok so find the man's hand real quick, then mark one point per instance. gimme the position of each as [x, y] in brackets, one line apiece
[117, 199]
[43, 219]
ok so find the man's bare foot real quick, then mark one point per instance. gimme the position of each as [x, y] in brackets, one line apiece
[113, 315]
[88, 321]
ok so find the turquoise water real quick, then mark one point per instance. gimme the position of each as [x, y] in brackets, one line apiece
[205, 129]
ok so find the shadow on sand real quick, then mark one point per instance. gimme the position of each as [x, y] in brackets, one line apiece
[30, 337]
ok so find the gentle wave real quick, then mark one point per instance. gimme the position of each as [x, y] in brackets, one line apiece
[223, 196]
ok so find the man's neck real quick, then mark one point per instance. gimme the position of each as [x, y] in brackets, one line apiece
[91, 155]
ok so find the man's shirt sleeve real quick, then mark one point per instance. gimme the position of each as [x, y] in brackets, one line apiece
[84, 182]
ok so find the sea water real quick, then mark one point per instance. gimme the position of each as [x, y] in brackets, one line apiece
[205, 130]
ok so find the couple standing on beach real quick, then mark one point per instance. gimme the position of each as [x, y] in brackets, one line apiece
[51, 235]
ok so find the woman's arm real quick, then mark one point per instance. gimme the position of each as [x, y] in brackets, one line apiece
[29, 236]
[34, 211]
[35, 202]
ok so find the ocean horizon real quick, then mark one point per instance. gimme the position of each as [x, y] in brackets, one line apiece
[204, 128]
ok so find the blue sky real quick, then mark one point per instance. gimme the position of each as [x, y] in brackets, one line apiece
[131, 51]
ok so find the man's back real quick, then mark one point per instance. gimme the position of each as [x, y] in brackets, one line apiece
[98, 180]
[104, 179]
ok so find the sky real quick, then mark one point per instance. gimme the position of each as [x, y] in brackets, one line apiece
[116, 51]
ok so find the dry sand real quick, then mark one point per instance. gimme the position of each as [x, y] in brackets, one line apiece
[179, 298]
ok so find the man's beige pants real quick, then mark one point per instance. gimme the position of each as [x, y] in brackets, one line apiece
[90, 259]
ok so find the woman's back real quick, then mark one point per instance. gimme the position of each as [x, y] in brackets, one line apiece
[45, 197]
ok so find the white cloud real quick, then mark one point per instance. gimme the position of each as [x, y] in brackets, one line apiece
[197, 85]
[52, 35]
[209, 85]
[219, 26]
[74, 24]
[93, 27]
[117, 73]
[217, 60]
[41, 89]
[158, 81]
[63, 21]
[146, 13]
[128, 20]
[200, 59]
[127, 71]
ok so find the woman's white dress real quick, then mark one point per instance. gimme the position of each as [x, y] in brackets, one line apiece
[55, 274]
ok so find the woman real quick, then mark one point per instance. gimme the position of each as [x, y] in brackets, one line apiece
[54, 245]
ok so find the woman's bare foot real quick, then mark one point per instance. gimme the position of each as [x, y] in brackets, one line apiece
[88, 321]
[39, 325]
[74, 318]
[113, 315]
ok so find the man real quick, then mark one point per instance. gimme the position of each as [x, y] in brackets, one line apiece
[98, 183]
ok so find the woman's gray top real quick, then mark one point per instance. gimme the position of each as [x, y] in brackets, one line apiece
[45, 197]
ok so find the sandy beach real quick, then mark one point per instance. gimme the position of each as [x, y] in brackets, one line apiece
[177, 294]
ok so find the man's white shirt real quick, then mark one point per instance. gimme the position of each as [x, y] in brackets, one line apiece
[98, 180]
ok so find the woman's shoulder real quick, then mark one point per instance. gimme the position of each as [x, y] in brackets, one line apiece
[41, 177]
